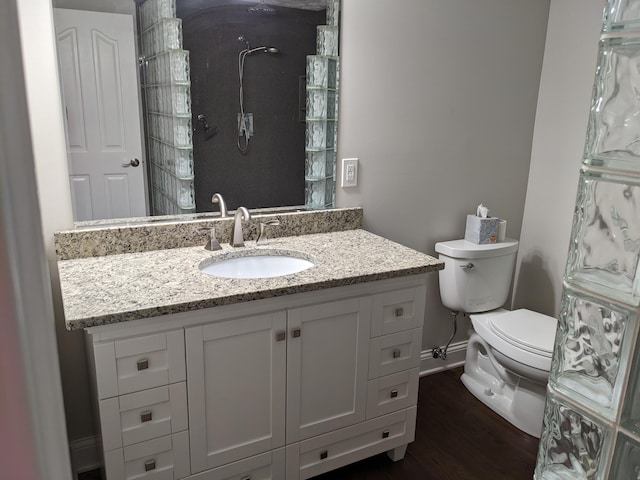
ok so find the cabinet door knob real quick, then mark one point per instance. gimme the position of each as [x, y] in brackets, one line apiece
[280, 336]
[149, 465]
[396, 353]
[142, 364]
[324, 454]
[146, 416]
[394, 393]
[385, 434]
[296, 332]
[399, 312]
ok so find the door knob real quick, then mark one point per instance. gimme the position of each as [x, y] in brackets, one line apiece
[133, 163]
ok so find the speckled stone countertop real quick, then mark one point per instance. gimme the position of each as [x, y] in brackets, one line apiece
[119, 288]
[160, 233]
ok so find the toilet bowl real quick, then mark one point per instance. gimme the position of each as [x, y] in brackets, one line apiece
[507, 364]
[509, 352]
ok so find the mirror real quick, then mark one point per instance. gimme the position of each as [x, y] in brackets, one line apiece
[268, 170]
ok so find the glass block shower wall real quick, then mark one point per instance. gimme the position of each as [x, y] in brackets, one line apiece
[592, 414]
[166, 87]
[322, 114]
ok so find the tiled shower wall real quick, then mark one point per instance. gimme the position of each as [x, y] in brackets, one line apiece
[592, 414]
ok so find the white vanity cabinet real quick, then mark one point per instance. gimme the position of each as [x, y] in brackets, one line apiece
[242, 373]
[237, 379]
[283, 388]
[327, 360]
[141, 391]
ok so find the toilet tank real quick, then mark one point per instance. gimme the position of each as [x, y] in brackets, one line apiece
[476, 278]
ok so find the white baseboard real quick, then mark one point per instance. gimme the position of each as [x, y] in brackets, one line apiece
[85, 455]
[455, 358]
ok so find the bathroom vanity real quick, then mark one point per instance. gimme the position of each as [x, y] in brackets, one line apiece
[209, 378]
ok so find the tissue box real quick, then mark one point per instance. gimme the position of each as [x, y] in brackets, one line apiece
[481, 230]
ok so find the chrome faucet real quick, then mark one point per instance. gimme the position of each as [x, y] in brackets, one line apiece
[237, 239]
[217, 198]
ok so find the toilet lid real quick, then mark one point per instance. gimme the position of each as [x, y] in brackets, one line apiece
[529, 330]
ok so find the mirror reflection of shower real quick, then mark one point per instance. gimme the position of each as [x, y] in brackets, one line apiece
[245, 120]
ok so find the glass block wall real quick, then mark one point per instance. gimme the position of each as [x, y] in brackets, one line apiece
[166, 87]
[592, 414]
[322, 113]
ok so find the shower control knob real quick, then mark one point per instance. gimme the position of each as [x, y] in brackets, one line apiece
[133, 163]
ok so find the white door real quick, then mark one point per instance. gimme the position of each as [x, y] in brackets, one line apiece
[236, 388]
[327, 365]
[98, 69]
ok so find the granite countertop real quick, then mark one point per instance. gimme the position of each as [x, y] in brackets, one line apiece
[119, 288]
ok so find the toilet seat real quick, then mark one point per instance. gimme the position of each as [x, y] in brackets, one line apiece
[515, 327]
[511, 334]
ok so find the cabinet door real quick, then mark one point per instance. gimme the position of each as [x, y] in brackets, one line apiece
[327, 361]
[236, 388]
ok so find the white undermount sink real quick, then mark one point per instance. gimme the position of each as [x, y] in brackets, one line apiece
[255, 264]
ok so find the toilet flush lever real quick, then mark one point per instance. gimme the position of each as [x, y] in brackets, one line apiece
[468, 266]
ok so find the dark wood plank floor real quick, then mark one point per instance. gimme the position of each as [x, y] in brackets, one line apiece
[457, 438]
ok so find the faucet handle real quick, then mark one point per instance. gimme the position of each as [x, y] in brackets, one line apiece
[212, 242]
[262, 237]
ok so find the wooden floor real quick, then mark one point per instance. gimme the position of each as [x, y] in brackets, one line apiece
[457, 438]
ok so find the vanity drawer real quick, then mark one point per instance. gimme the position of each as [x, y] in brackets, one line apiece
[139, 363]
[397, 311]
[393, 392]
[266, 466]
[165, 458]
[142, 416]
[393, 353]
[333, 450]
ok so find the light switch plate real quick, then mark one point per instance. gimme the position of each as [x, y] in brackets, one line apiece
[349, 172]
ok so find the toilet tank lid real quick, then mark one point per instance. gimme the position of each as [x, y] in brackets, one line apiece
[466, 249]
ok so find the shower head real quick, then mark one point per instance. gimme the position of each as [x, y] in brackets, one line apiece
[264, 49]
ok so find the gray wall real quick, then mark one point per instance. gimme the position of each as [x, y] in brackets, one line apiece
[438, 102]
[558, 143]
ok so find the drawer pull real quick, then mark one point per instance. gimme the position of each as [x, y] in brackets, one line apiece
[149, 465]
[396, 353]
[280, 336]
[324, 454]
[385, 434]
[248, 477]
[146, 416]
[142, 364]
[296, 332]
[399, 312]
[394, 393]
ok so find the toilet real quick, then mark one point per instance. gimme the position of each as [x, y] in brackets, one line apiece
[509, 353]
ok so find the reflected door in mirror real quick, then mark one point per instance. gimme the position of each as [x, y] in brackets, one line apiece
[101, 105]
